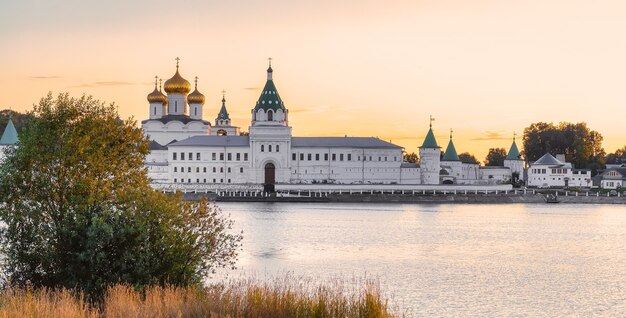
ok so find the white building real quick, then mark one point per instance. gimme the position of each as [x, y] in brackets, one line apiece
[188, 152]
[613, 178]
[549, 172]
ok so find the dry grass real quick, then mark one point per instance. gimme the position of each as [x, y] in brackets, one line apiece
[287, 296]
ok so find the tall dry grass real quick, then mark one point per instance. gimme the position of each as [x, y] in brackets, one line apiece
[280, 297]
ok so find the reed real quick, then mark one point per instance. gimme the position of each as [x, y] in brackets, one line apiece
[285, 296]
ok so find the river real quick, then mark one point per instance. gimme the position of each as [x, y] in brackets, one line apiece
[449, 259]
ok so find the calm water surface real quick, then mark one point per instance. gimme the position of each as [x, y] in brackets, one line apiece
[442, 260]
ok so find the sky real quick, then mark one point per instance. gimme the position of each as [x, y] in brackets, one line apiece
[483, 68]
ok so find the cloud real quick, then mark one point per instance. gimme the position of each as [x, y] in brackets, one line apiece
[45, 77]
[491, 135]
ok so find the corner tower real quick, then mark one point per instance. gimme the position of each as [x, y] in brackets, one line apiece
[514, 162]
[430, 154]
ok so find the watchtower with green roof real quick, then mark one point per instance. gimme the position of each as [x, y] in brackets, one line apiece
[430, 154]
[514, 160]
[270, 137]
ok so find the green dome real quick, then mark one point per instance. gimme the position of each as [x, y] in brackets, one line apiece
[513, 153]
[450, 154]
[9, 137]
[429, 141]
[223, 115]
[269, 99]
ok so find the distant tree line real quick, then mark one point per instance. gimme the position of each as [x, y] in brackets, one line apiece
[19, 120]
[580, 145]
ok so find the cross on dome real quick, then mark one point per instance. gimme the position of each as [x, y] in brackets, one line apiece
[177, 60]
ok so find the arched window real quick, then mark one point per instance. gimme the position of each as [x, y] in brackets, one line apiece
[195, 111]
[175, 106]
[155, 110]
[262, 148]
[269, 148]
[270, 115]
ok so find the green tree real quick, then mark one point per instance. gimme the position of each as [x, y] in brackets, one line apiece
[581, 145]
[79, 211]
[617, 157]
[495, 157]
[19, 120]
[411, 157]
[466, 157]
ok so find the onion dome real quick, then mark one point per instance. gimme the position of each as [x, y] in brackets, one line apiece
[195, 97]
[156, 96]
[177, 84]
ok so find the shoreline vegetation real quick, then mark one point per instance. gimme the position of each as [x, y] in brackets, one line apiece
[285, 296]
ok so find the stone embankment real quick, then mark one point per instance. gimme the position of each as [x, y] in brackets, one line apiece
[482, 198]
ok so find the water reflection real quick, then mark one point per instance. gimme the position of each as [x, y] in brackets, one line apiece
[536, 260]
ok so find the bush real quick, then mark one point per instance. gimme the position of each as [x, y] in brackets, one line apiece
[80, 213]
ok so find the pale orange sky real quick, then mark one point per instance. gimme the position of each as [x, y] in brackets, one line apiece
[361, 68]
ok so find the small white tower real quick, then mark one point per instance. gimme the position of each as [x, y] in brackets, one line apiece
[430, 155]
[195, 100]
[514, 161]
[222, 125]
[177, 89]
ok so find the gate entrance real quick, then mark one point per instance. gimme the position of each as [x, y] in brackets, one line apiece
[270, 177]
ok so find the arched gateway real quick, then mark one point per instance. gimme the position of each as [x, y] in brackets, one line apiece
[270, 177]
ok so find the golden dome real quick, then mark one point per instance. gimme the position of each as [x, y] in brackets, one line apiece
[195, 97]
[177, 84]
[156, 96]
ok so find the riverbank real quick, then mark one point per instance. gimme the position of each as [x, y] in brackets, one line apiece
[432, 197]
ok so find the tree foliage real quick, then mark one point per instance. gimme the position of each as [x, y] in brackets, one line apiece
[617, 157]
[19, 120]
[466, 157]
[581, 145]
[411, 157]
[79, 211]
[495, 157]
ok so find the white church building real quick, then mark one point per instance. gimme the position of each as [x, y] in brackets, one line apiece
[188, 152]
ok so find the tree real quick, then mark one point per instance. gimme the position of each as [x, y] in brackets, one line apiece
[495, 157]
[466, 157]
[19, 120]
[581, 145]
[411, 157]
[79, 211]
[618, 157]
